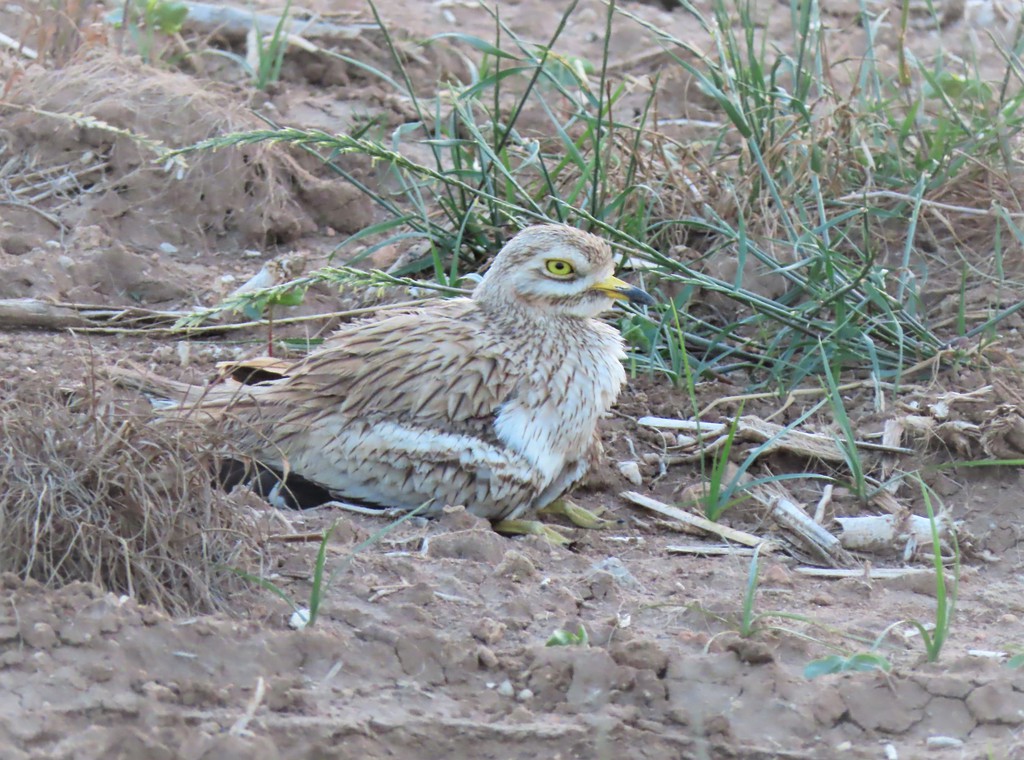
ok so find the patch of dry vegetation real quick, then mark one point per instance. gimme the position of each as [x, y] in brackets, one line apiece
[55, 31]
[97, 491]
[83, 142]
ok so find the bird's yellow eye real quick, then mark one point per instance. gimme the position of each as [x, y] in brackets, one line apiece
[559, 268]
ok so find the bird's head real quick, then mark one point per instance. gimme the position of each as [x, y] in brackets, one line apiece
[558, 270]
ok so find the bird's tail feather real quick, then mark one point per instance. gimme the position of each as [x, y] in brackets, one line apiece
[163, 392]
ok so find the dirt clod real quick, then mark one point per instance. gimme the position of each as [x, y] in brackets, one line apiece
[891, 707]
[996, 703]
[40, 636]
[477, 545]
[516, 566]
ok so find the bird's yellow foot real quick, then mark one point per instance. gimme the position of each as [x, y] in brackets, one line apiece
[532, 528]
[576, 514]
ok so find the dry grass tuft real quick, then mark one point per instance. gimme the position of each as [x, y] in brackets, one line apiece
[56, 30]
[97, 491]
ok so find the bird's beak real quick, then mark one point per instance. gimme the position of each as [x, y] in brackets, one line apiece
[615, 288]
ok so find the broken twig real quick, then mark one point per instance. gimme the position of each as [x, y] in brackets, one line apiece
[729, 534]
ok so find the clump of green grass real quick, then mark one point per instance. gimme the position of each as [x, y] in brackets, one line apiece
[269, 51]
[151, 24]
[265, 52]
[818, 188]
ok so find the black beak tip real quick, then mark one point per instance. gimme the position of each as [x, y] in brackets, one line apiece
[639, 297]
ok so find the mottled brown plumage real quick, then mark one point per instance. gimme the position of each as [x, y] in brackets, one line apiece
[491, 402]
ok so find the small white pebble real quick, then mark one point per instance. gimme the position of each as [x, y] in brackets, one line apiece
[251, 254]
[53, 245]
[891, 753]
[631, 540]
[524, 695]
[631, 471]
[844, 746]
[299, 618]
[168, 248]
[505, 689]
[227, 279]
[987, 654]
[943, 742]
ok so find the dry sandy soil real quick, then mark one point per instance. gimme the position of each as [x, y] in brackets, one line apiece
[431, 642]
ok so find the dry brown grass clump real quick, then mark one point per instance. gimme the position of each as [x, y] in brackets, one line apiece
[96, 491]
[84, 143]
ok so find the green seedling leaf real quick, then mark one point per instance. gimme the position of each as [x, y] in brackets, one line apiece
[293, 297]
[167, 17]
[638, 332]
[732, 110]
[316, 595]
[494, 80]
[719, 496]
[474, 42]
[257, 307]
[563, 638]
[955, 87]
[856, 663]
[566, 70]
[748, 624]
[254, 310]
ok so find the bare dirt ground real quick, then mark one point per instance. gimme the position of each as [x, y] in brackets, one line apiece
[431, 642]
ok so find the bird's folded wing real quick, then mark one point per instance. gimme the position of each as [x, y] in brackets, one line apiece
[433, 369]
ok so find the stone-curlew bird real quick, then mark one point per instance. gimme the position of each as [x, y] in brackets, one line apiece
[491, 402]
